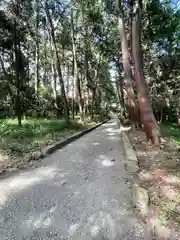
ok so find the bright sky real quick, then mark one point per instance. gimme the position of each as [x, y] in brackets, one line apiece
[176, 3]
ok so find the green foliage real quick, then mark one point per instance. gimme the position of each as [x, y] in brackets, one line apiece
[34, 134]
[172, 131]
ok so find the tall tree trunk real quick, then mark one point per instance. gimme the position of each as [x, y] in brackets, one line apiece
[54, 82]
[45, 36]
[37, 79]
[98, 99]
[127, 69]
[76, 74]
[151, 127]
[93, 101]
[63, 94]
[120, 88]
[87, 90]
[18, 106]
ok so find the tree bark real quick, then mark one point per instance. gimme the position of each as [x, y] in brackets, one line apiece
[147, 117]
[63, 94]
[131, 105]
[18, 106]
[76, 74]
[54, 82]
[37, 80]
[120, 88]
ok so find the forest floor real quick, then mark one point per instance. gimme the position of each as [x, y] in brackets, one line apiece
[25, 143]
[159, 174]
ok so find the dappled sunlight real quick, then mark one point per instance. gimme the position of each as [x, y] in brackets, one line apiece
[110, 124]
[170, 192]
[125, 129]
[113, 137]
[36, 221]
[155, 225]
[107, 226]
[73, 228]
[159, 174]
[24, 180]
[170, 179]
[111, 134]
[112, 130]
[105, 161]
[108, 129]
[146, 175]
[166, 185]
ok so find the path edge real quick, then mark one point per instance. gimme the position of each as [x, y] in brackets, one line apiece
[61, 144]
[140, 196]
[48, 151]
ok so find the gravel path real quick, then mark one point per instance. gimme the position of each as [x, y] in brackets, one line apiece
[80, 192]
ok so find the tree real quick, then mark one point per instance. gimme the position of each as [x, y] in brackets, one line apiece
[76, 73]
[37, 80]
[58, 62]
[148, 120]
[128, 81]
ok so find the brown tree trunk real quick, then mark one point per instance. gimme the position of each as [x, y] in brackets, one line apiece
[147, 117]
[120, 89]
[63, 94]
[76, 74]
[131, 105]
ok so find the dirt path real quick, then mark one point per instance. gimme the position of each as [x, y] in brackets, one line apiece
[80, 192]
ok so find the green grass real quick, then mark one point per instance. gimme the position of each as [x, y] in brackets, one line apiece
[170, 130]
[34, 134]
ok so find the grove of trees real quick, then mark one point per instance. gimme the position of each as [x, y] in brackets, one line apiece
[62, 58]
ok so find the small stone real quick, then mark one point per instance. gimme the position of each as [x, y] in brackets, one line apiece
[63, 182]
[113, 160]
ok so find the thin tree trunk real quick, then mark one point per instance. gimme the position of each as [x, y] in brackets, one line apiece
[18, 107]
[87, 94]
[63, 94]
[127, 70]
[151, 127]
[92, 102]
[76, 74]
[120, 89]
[37, 79]
[86, 70]
[54, 83]
[98, 99]
[45, 82]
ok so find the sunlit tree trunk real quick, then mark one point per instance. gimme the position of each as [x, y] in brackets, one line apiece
[120, 87]
[127, 68]
[151, 127]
